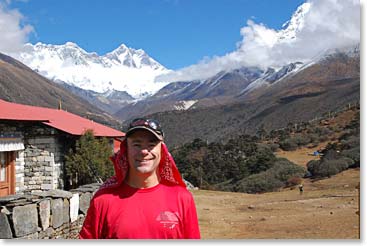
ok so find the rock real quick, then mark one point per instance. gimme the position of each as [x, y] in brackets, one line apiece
[87, 188]
[57, 211]
[74, 207]
[5, 231]
[4, 210]
[25, 220]
[251, 207]
[30, 236]
[45, 210]
[54, 194]
[84, 201]
[189, 186]
[7, 199]
[66, 211]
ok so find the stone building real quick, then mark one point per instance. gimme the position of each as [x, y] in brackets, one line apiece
[33, 142]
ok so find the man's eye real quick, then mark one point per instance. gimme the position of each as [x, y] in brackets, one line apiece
[152, 145]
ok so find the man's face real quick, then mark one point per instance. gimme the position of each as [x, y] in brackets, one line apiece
[143, 152]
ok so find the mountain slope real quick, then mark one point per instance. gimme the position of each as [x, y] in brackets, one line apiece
[322, 87]
[20, 84]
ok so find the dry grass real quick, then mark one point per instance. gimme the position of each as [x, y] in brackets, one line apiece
[326, 210]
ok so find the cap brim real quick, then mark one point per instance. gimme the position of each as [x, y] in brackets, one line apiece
[131, 130]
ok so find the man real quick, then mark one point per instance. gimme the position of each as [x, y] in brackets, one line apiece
[147, 198]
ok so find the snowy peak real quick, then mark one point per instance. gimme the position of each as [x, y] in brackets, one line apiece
[295, 24]
[69, 53]
[133, 58]
[272, 75]
[123, 69]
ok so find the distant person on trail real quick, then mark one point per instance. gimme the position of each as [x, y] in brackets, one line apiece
[300, 187]
[147, 198]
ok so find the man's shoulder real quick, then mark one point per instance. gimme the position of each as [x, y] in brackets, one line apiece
[105, 193]
[177, 189]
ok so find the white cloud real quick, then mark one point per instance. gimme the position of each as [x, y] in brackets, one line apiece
[316, 26]
[13, 34]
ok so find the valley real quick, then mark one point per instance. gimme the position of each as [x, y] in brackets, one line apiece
[327, 209]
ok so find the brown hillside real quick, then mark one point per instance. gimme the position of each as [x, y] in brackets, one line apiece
[20, 84]
[326, 210]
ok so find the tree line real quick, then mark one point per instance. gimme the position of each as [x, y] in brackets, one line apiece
[243, 164]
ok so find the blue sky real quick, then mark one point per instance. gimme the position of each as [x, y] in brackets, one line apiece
[177, 33]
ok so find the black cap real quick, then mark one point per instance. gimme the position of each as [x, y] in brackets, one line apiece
[150, 125]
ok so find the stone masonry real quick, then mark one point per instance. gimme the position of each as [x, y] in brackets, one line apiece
[39, 166]
[53, 214]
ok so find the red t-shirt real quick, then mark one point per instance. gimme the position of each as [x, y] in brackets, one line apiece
[159, 212]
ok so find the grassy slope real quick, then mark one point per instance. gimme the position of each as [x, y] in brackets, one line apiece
[326, 209]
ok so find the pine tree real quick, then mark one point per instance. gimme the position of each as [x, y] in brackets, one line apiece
[89, 162]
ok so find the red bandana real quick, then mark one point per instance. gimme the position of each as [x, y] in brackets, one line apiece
[168, 171]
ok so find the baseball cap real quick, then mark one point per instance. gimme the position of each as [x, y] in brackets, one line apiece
[150, 125]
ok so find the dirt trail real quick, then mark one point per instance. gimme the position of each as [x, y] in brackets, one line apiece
[326, 209]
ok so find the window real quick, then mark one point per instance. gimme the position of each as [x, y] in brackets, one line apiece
[2, 167]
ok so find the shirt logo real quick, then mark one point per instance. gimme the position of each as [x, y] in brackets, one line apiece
[168, 219]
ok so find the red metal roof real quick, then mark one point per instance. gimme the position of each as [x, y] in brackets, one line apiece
[59, 119]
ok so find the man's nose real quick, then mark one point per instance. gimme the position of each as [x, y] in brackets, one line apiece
[145, 151]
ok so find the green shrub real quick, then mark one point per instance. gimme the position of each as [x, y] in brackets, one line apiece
[284, 169]
[271, 179]
[89, 162]
[288, 144]
[302, 140]
[273, 146]
[313, 166]
[258, 183]
[314, 138]
[261, 160]
[350, 142]
[328, 167]
[353, 154]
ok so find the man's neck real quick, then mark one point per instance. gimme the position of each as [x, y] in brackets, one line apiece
[141, 181]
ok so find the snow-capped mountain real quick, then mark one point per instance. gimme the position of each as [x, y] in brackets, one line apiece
[294, 25]
[123, 69]
[224, 87]
[245, 83]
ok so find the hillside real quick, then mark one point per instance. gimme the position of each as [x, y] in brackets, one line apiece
[262, 163]
[20, 84]
[326, 210]
[315, 90]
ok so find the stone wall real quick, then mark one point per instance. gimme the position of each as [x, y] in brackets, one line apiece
[43, 169]
[40, 165]
[53, 214]
[41, 172]
[19, 172]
